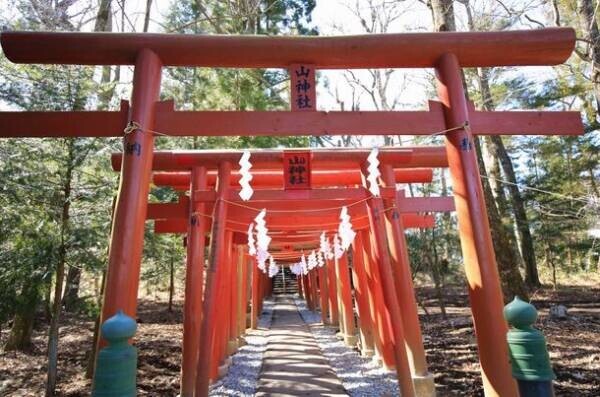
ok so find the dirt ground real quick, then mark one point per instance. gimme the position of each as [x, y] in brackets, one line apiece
[574, 346]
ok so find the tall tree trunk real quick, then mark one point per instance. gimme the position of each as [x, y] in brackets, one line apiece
[171, 281]
[107, 90]
[147, 15]
[586, 11]
[493, 167]
[71, 296]
[22, 326]
[60, 273]
[91, 363]
[438, 275]
[512, 283]
[524, 238]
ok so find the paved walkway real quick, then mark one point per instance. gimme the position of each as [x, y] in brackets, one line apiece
[293, 364]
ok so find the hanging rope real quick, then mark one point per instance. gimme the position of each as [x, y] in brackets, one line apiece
[296, 210]
[134, 126]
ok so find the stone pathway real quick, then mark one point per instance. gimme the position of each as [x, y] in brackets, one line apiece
[293, 364]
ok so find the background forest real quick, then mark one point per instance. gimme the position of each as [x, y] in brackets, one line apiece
[56, 196]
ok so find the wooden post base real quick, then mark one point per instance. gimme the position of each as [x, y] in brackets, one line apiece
[424, 385]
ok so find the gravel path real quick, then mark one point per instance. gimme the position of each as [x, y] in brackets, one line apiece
[293, 364]
[242, 376]
[359, 375]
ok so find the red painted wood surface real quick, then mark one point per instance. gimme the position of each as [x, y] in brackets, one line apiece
[360, 283]
[214, 276]
[478, 252]
[382, 331]
[342, 272]
[412, 50]
[331, 178]
[272, 159]
[127, 236]
[332, 285]
[324, 194]
[254, 285]
[411, 221]
[323, 294]
[398, 249]
[381, 254]
[194, 282]
[282, 123]
[66, 124]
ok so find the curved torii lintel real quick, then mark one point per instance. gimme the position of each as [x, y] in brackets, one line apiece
[404, 50]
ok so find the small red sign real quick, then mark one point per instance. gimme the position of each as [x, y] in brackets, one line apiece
[296, 170]
[303, 94]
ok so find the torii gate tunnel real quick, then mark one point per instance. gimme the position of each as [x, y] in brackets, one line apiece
[380, 268]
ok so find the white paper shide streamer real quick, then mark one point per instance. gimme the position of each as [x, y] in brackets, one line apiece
[251, 243]
[245, 165]
[338, 251]
[312, 260]
[345, 231]
[296, 268]
[374, 173]
[325, 247]
[304, 265]
[320, 261]
[273, 268]
[262, 239]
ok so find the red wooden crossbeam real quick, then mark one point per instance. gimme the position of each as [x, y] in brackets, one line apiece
[64, 124]
[305, 208]
[425, 204]
[406, 50]
[334, 194]
[179, 226]
[181, 180]
[286, 123]
[272, 159]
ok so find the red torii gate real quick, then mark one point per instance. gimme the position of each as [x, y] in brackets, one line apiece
[324, 204]
[454, 116]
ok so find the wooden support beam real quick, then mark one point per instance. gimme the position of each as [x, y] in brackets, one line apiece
[65, 124]
[381, 253]
[272, 159]
[323, 294]
[382, 332]
[346, 312]
[194, 283]
[481, 270]
[332, 290]
[359, 277]
[127, 237]
[398, 248]
[254, 285]
[286, 123]
[411, 221]
[274, 179]
[278, 195]
[548, 46]
[214, 276]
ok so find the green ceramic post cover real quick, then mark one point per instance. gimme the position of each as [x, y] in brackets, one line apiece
[527, 346]
[117, 363]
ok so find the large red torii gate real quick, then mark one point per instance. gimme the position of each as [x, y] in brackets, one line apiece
[453, 116]
[315, 210]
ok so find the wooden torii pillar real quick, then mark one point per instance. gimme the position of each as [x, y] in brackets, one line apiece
[213, 280]
[194, 281]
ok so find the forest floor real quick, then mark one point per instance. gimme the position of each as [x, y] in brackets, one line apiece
[574, 345]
